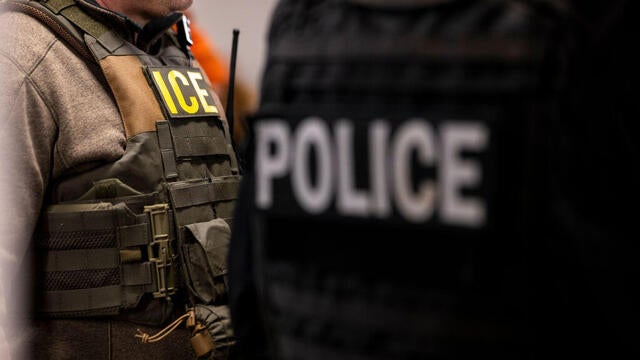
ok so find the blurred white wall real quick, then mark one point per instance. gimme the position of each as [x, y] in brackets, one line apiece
[219, 17]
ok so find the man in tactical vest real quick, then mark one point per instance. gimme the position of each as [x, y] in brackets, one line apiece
[441, 179]
[122, 182]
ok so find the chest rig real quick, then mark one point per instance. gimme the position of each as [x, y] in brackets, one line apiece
[150, 230]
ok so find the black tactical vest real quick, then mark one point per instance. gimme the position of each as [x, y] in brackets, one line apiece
[404, 192]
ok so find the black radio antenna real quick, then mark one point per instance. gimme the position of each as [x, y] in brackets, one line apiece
[232, 80]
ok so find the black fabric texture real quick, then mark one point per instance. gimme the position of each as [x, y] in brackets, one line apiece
[551, 272]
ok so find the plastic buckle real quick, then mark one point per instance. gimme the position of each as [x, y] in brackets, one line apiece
[160, 251]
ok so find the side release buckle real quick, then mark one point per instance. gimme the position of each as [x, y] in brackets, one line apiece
[160, 251]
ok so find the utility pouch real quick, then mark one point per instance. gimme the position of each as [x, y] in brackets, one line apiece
[204, 249]
[218, 322]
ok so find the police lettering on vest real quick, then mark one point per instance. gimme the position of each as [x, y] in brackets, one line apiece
[314, 164]
[181, 91]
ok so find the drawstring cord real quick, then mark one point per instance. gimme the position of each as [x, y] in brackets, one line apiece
[201, 340]
[148, 339]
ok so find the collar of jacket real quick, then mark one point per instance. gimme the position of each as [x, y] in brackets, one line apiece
[144, 37]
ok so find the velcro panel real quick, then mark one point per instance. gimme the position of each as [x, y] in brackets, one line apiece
[198, 137]
[136, 101]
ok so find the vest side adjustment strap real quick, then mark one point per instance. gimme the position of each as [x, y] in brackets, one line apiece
[132, 255]
[84, 259]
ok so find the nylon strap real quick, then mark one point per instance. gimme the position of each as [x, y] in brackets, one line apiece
[70, 10]
[137, 274]
[81, 221]
[129, 230]
[166, 150]
[86, 259]
[58, 5]
[82, 300]
[133, 235]
[202, 193]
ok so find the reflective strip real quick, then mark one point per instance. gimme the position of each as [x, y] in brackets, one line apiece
[75, 260]
[202, 193]
[82, 300]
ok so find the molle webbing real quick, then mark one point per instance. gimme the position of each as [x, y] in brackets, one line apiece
[199, 138]
[182, 142]
[96, 259]
[101, 258]
[191, 194]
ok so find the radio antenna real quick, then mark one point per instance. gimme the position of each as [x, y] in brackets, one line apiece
[232, 80]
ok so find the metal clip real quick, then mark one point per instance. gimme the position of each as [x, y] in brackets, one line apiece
[160, 251]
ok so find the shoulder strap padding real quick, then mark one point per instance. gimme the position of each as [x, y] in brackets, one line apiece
[78, 17]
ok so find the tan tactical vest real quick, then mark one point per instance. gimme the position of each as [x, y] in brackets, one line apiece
[149, 231]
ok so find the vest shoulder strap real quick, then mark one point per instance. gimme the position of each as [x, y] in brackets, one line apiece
[70, 10]
[60, 16]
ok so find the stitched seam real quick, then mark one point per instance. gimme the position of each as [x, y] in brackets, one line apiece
[26, 79]
[13, 61]
[46, 103]
[35, 66]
